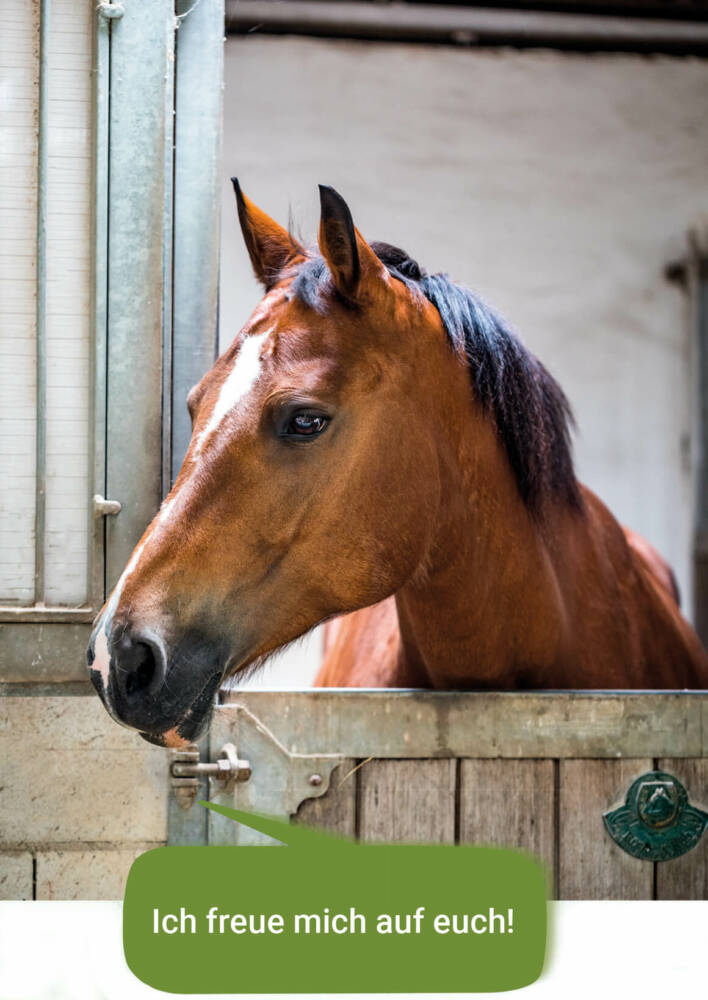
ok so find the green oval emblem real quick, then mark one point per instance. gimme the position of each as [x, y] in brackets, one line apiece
[656, 822]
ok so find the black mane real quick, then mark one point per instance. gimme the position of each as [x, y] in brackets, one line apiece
[529, 408]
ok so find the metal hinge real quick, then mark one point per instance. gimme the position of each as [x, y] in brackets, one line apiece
[186, 769]
[105, 508]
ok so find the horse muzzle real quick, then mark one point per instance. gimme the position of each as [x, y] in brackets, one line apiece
[167, 698]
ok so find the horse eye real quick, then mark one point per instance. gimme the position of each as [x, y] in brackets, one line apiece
[305, 424]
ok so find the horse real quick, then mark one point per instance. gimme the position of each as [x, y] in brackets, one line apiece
[377, 450]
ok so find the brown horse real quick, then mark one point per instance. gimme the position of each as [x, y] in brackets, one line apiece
[377, 441]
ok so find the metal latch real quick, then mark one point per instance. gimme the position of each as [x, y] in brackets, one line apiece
[103, 507]
[186, 769]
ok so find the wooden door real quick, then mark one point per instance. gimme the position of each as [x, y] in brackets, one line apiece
[530, 771]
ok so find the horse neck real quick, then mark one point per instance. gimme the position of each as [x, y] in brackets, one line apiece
[507, 599]
[485, 600]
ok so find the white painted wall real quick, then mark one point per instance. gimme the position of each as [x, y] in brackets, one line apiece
[556, 185]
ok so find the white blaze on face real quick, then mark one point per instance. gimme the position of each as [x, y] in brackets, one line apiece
[239, 382]
[102, 658]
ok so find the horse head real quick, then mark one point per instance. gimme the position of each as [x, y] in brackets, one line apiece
[310, 486]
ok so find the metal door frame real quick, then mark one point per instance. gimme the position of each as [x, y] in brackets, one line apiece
[158, 95]
[697, 283]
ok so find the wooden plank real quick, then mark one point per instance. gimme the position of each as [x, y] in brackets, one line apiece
[334, 811]
[510, 803]
[475, 724]
[687, 876]
[407, 801]
[590, 864]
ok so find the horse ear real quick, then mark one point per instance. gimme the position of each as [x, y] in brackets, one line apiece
[349, 257]
[269, 246]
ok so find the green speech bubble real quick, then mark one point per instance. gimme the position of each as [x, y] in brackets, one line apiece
[332, 916]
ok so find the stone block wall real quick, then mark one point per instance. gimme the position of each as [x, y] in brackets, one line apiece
[80, 799]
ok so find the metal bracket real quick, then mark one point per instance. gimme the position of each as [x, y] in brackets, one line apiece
[105, 508]
[186, 769]
[282, 780]
[110, 11]
[656, 822]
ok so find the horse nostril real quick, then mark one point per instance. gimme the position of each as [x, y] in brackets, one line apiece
[139, 666]
[143, 669]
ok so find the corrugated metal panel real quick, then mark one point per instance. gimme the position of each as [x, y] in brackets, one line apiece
[68, 290]
[45, 274]
[86, 277]
[19, 66]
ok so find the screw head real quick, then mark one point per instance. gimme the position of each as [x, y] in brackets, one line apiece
[315, 779]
